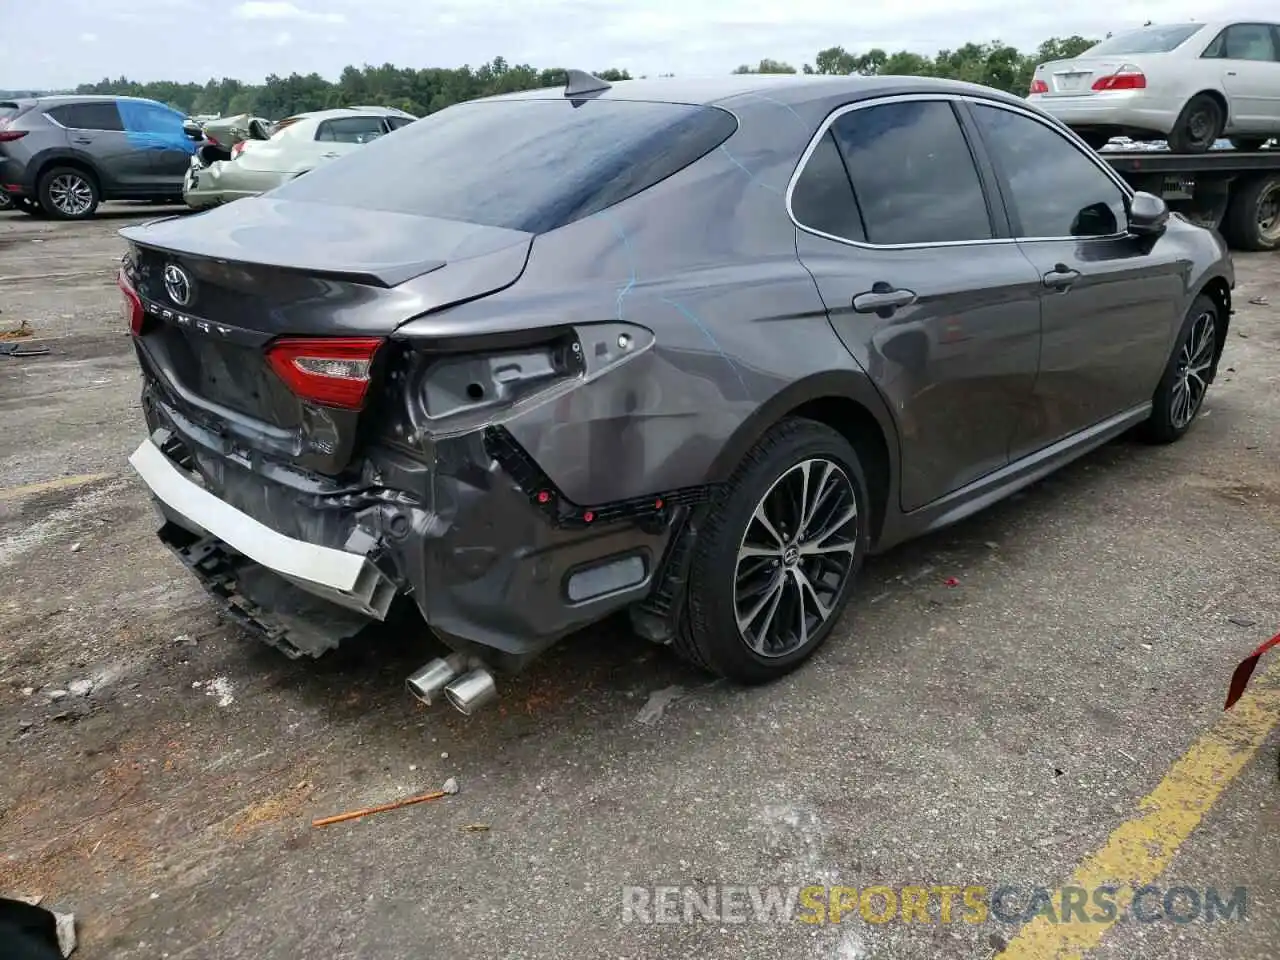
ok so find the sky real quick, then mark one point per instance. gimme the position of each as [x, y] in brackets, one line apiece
[59, 43]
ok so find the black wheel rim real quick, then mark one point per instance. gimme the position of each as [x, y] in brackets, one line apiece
[1202, 126]
[1191, 377]
[796, 557]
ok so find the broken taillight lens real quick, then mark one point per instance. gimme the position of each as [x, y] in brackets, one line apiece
[332, 371]
[130, 304]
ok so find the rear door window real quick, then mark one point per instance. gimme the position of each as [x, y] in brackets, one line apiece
[351, 130]
[524, 164]
[822, 199]
[913, 174]
[1245, 41]
[97, 115]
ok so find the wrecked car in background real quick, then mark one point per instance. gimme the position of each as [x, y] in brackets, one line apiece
[223, 135]
[249, 157]
[685, 349]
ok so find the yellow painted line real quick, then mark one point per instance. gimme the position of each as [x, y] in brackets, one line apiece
[57, 483]
[1140, 849]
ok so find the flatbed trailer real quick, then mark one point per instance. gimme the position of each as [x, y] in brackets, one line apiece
[1234, 192]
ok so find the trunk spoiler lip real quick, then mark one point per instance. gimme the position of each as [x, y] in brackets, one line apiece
[386, 277]
[388, 273]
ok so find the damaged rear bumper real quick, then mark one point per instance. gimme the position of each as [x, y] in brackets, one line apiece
[347, 579]
[465, 539]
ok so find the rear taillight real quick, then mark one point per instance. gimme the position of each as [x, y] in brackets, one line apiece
[7, 135]
[1039, 86]
[332, 371]
[237, 149]
[130, 304]
[213, 140]
[1127, 77]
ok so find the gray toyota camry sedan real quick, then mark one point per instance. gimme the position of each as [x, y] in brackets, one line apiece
[689, 349]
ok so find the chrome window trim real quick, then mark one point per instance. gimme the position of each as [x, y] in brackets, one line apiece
[48, 115]
[1071, 139]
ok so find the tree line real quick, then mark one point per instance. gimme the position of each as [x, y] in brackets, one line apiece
[425, 90]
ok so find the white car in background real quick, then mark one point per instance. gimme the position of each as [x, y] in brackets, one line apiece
[297, 144]
[1187, 83]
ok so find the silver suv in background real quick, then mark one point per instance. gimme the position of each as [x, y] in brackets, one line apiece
[64, 155]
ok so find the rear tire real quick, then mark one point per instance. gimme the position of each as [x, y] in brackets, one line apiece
[1199, 125]
[1185, 383]
[759, 604]
[1253, 214]
[68, 193]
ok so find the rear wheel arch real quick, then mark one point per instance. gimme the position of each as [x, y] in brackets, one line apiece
[847, 402]
[73, 161]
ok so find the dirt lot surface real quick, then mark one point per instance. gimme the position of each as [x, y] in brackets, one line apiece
[160, 770]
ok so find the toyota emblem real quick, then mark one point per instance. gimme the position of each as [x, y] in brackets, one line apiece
[177, 284]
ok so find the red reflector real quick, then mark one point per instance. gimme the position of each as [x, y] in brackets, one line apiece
[333, 371]
[213, 140]
[1127, 78]
[1039, 86]
[8, 136]
[130, 304]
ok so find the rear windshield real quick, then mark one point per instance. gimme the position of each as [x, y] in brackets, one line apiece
[1146, 40]
[531, 165]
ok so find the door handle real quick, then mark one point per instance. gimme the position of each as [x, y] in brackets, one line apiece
[1061, 277]
[883, 299]
[331, 156]
[83, 140]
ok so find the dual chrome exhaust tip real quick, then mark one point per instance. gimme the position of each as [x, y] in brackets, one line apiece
[464, 682]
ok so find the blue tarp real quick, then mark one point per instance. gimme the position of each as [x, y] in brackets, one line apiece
[154, 126]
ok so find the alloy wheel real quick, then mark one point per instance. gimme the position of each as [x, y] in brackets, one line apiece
[796, 557]
[1191, 383]
[6, 201]
[71, 195]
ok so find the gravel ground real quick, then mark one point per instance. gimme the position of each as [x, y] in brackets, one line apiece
[993, 732]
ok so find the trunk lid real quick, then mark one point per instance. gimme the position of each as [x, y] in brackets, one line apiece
[1075, 78]
[218, 287]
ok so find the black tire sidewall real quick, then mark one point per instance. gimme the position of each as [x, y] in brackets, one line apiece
[1179, 140]
[1241, 220]
[47, 203]
[712, 614]
[1160, 426]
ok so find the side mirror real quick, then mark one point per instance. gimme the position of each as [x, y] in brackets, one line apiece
[1148, 215]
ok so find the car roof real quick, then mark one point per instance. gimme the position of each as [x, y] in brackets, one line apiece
[57, 98]
[786, 88]
[345, 112]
